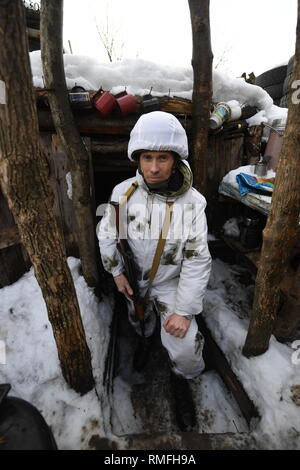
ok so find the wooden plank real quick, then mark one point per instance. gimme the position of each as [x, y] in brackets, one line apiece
[105, 147]
[33, 33]
[13, 265]
[257, 202]
[14, 260]
[217, 357]
[253, 255]
[91, 123]
[9, 236]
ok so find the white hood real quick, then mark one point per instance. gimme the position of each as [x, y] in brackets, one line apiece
[158, 131]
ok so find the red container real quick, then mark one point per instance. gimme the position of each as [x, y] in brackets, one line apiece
[127, 104]
[105, 103]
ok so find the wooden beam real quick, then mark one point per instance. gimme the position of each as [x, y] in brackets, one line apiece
[202, 90]
[114, 146]
[218, 360]
[91, 123]
[9, 236]
[33, 33]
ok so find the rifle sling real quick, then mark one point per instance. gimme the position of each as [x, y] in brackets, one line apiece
[162, 237]
[160, 247]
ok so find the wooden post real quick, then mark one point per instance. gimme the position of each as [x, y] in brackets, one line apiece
[54, 74]
[289, 316]
[202, 92]
[25, 184]
[281, 230]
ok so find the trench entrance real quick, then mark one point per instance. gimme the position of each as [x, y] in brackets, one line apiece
[142, 403]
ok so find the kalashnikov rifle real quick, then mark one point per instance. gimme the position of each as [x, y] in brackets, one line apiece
[130, 270]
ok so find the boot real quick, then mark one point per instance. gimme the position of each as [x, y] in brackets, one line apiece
[142, 353]
[184, 405]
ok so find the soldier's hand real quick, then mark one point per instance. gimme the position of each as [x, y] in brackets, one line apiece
[176, 325]
[123, 285]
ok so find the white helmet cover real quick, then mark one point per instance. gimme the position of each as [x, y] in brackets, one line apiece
[158, 131]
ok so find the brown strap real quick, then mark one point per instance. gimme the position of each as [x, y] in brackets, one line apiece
[131, 190]
[162, 237]
[123, 200]
[160, 246]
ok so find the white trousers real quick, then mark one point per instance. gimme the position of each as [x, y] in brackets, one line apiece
[185, 353]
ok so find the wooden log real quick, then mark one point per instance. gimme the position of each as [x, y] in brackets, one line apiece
[9, 236]
[25, 184]
[91, 123]
[202, 90]
[215, 357]
[14, 260]
[104, 147]
[281, 230]
[33, 33]
[252, 145]
[78, 157]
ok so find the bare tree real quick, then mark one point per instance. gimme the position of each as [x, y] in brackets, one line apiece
[202, 90]
[281, 231]
[24, 179]
[109, 36]
[55, 81]
[222, 59]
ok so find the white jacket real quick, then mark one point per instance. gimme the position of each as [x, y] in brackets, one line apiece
[185, 264]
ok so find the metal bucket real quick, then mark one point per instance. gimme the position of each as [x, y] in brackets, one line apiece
[105, 102]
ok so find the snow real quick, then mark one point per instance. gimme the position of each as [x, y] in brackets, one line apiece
[271, 380]
[139, 77]
[230, 179]
[30, 363]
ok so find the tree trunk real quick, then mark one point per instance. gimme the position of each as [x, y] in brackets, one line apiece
[24, 181]
[54, 75]
[281, 230]
[202, 91]
[288, 320]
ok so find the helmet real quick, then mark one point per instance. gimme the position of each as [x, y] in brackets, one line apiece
[158, 131]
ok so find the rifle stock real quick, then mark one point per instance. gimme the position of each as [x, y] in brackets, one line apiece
[130, 270]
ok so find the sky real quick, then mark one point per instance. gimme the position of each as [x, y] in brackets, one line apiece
[247, 36]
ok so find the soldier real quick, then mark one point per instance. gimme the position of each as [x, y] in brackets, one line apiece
[163, 182]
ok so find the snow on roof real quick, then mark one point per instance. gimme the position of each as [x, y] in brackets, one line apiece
[140, 76]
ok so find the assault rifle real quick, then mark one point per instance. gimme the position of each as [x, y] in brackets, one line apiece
[130, 270]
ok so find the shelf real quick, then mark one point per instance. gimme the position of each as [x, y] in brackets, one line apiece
[254, 257]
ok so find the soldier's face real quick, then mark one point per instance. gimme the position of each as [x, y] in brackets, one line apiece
[156, 166]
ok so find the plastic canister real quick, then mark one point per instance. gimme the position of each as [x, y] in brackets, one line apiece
[274, 144]
[221, 113]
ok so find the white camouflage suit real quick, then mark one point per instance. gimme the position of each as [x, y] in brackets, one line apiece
[182, 276]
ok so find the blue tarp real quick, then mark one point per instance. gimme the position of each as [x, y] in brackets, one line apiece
[248, 183]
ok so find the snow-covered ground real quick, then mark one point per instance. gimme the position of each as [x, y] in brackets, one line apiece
[271, 380]
[139, 77]
[28, 356]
